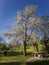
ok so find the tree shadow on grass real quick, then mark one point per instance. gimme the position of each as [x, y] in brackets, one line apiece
[11, 63]
[43, 62]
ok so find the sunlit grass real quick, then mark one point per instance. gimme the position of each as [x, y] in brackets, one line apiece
[13, 58]
[17, 54]
[9, 57]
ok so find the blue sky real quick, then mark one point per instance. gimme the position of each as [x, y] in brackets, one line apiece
[9, 8]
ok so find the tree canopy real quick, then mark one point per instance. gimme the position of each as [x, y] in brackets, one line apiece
[26, 22]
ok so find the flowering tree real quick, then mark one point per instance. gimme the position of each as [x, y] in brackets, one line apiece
[25, 23]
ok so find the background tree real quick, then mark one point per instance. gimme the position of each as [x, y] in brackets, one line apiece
[43, 30]
[15, 44]
[34, 41]
[2, 44]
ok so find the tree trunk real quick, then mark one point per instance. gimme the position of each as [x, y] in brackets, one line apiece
[46, 46]
[37, 47]
[25, 40]
[25, 49]
[45, 42]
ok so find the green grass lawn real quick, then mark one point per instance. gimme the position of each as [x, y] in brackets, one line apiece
[13, 55]
[13, 58]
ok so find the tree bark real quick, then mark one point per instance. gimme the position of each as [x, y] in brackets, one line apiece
[46, 41]
[37, 47]
[25, 40]
[46, 46]
[25, 49]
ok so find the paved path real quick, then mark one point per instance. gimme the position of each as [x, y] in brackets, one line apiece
[36, 58]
